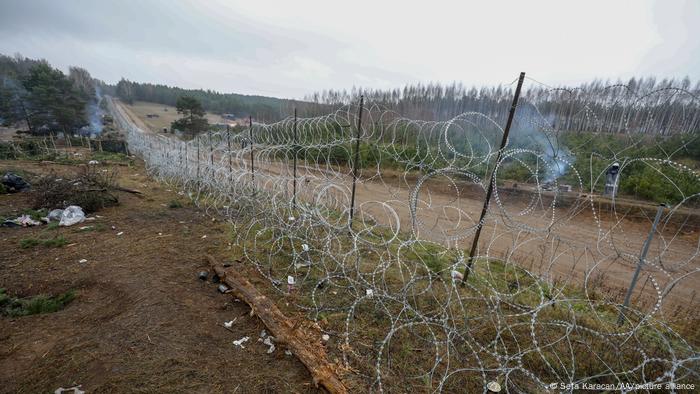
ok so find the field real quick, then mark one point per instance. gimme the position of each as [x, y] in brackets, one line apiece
[166, 115]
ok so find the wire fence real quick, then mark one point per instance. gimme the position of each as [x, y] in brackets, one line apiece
[362, 219]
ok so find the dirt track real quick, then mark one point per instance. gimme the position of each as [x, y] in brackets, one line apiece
[576, 245]
[141, 320]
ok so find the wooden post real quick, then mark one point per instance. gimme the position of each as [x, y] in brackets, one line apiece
[356, 160]
[489, 189]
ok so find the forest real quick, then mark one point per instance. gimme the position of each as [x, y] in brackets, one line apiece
[262, 108]
[44, 98]
[639, 105]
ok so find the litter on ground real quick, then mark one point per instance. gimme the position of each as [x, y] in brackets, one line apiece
[240, 342]
[72, 215]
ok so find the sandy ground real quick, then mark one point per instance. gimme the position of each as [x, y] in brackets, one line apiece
[166, 115]
[141, 321]
[584, 239]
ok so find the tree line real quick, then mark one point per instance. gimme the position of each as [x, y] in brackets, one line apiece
[639, 105]
[44, 98]
[262, 108]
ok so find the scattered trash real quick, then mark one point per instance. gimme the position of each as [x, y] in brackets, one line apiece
[290, 283]
[204, 236]
[72, 215]
[305, 247]
[70, 390]
[85, 228]
[120, 233]
[14, 183]
[26, 221]
[240, 342]
[9, 223]
[288, 353]
[456, 275]
[494, 387]
[369, 292]
[93, 162]
[292, 218]
[215, 279]
[325, 337]
[223, 288]
[82, 261]
[268, 342]
[55, 215]
[203, 275]
[229, 324]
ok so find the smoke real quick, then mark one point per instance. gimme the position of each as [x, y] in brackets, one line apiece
[540, 134]
[95, 114]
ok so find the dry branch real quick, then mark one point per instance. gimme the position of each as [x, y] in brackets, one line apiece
[308, 350]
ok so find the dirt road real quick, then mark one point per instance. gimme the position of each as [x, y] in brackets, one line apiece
[566, 242]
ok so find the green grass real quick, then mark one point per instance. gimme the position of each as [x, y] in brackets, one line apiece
[15, 307]
[56, 242]
[174, 204]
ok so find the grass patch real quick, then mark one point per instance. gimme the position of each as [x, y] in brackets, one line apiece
[174, 204]
[56, 242]
[15, 307]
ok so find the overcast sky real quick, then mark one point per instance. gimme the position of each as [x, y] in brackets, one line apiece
[291, 48]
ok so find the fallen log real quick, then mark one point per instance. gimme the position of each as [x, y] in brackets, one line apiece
[308, 350]
[132, 191]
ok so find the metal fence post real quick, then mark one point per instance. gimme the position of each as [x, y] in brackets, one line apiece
[489, 189]
[642, 257]
[356, 160]
[211, 155]
[252, 153]
[294, 150]
[230, 165]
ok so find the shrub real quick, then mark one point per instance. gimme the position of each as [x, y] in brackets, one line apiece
[15, 307]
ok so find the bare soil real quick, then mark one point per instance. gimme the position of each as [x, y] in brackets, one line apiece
[142, 321]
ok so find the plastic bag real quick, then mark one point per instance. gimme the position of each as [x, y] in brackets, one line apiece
[72, 215]
[55, 215]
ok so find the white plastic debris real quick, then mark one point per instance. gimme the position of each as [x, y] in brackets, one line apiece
[305, 247]
[325, 337]
[263, 334]
[82, 261]
[292, 218]
[204, 236]
[290, 280]
[456, 275]
[93, 162]
[493, 387]
[120, 233]
[268, 342]
[240, 342]
[369, 292]
[69, 390]
[288, 353]
[85, 228]
[229, 324]
[26, 221]
[55, 215]
[72, 215]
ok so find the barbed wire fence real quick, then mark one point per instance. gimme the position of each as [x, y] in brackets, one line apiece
[364, 220]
